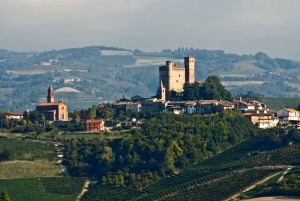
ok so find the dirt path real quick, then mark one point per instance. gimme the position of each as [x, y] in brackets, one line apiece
[252, 186]
[60, 155]
[287, 170]
[276, 198]
[84, 190]
[262, 181]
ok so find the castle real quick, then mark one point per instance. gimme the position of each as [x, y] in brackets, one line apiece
[53, 111]
[173, 77]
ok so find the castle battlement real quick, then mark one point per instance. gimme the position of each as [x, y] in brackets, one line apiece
[173, 77]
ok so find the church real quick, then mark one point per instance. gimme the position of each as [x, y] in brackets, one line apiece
[53, 111]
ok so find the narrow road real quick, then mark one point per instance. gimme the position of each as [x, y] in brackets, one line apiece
[84, 190]
[287, 170]
[252, 186]
[60, 155]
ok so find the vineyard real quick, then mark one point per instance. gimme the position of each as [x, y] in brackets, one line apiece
[108, 193]
[221, 187]
[50, 189]
[217, 178]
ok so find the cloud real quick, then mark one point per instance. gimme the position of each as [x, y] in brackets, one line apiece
[233, 25]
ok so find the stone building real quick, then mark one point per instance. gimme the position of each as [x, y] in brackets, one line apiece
[95, 125]
[53, 111]
[173, 77]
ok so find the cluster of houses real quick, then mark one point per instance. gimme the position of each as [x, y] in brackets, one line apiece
[255, 111]
[259, 114]
[176, 107]
[11, 115]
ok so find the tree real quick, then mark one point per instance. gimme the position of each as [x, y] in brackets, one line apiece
[252, 96]
[4, 196]
[7, 154]
[192, 91]
[294, 135]
[214, 90]
[92, 113]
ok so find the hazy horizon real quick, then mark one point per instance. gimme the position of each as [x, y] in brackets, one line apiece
[240, 27]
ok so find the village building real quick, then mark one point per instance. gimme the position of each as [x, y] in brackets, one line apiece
[289, 117]
[175, 110]
[132, 122]
[11, 115]
[53, 111]
[154, 105]
[288, 114]
[262, 118]
[207, 106]
[136, 98]
[95, 125]
[224, 105]
[244, 105]
[190, 107]
[123, 107]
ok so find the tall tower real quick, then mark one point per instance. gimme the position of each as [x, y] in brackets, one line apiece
[162, 91]
[189, 64]
[50, 97]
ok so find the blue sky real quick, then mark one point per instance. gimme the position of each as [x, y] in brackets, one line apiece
[236, 26]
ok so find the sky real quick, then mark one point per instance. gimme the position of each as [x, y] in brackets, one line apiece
[235, 26]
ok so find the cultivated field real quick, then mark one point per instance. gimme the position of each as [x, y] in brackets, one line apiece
[27, 72]
[29, 169]
[27, 150]
[241, 83]
[43, 189]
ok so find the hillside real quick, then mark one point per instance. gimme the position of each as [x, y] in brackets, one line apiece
[217, 178]
[107, 73]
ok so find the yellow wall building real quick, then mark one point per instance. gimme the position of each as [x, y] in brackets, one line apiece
[173, 77]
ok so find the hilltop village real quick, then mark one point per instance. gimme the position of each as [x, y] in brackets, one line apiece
[172, 81]
[188, 142]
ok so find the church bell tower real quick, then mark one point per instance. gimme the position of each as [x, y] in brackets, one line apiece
[50, 97]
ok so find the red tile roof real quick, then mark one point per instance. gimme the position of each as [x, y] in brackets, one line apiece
[49, 104]
[94, 121]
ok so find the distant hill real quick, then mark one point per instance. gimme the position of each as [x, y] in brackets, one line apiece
[115, 72]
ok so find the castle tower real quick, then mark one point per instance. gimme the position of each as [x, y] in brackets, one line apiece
[50, 97]
[189, 64]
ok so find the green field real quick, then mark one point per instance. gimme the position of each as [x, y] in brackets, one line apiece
[27, 150]
[43, 189]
